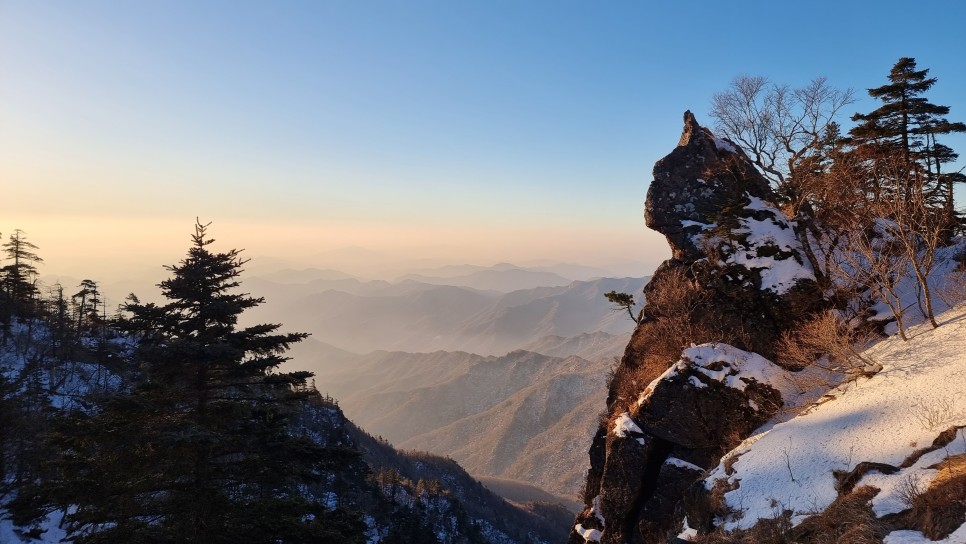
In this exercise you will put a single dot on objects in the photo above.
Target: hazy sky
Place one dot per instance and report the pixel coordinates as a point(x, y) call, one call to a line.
point(485, 130)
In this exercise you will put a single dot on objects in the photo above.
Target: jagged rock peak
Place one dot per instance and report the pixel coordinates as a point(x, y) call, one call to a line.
point(708, 199)
point(736, 283)
point(690, 127)
point(694, 183)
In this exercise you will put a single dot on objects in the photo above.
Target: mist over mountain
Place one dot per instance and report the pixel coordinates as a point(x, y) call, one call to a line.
point(507, 382)
point(364, 316)
point(572, 271)
point(537, 435)
point(305, 275)
point(394, 351)
point(522, 417)
point(593, 345)
point(496, 280)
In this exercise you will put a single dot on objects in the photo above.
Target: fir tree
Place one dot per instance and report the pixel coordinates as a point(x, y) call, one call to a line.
point(86, 302)
point(201, 448)
point(18, 278)
point(906, 125)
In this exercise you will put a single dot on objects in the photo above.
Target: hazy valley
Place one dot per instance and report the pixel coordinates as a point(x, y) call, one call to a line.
point(508, 381)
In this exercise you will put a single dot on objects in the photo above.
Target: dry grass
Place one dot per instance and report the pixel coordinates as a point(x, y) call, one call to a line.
point(826, 342)
point(679, 313)
point(718, 504)
point(848, 520)
point(768, 531)
point(940, 508)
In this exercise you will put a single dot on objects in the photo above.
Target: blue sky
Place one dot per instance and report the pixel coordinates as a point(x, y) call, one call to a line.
point(489, 130)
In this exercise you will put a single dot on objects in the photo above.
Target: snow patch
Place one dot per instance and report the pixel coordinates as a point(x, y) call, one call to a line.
point(595, 510)
point(589, 535)
point(624, 425)
point(681, 463)
point(893, 487)
point(697, 383)
point(777, 275)
point(729, 365)
point(733, 368)
point(687, 533)
point(689, 223)
point(725, 145)
point(915, 537)
point(50, 529)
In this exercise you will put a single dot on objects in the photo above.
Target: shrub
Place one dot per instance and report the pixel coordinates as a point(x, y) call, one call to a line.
point(826, 342)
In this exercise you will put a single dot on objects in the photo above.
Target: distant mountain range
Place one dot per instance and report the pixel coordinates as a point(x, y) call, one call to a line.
point(522, 417)
point(508, 384)
point(364, 316)
point(495, 280)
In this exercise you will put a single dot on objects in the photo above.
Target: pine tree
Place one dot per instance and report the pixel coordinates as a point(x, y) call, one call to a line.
point(906, 125)
point(18, 276)
point(201, 448)
point(86, 302)
point(18, 279)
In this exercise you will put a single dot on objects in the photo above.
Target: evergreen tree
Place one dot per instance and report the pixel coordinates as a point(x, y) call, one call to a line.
point(86, 302)
point(18, 278)
point(906, 126)
point(201, 448)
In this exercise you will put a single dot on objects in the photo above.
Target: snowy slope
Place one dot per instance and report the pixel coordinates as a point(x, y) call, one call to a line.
point(882, 419)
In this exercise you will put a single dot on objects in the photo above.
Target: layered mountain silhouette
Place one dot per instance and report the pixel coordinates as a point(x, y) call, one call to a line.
point(508, 384)
point(412, 316)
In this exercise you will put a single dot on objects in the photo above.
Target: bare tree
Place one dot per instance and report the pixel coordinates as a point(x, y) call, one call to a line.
point(776, 125)
point(873, 261)
point(785, 132)
point(919, 230)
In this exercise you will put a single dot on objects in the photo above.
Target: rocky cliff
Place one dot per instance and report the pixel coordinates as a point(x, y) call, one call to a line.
point(696, 378)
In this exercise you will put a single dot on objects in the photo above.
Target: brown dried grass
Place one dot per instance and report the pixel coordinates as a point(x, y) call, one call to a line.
point(939, 509)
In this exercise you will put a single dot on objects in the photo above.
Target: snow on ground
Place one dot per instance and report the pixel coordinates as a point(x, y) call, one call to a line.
point(915, 537)
point(918, 394)
point(52, 532)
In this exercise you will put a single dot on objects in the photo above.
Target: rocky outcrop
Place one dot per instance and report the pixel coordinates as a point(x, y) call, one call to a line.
point(736, 281)
point(694, 184)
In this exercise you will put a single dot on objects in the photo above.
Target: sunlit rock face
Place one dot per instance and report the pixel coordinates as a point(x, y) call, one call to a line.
point(696, 377)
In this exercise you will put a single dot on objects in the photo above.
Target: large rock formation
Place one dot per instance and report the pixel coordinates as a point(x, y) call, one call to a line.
point(694, 184)
point(736, 281)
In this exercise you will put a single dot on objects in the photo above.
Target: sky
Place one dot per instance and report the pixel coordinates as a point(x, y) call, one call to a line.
point(460, 131)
